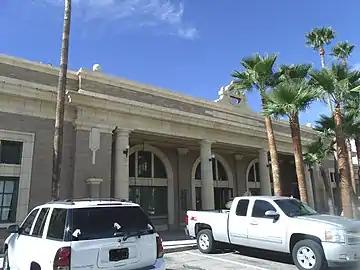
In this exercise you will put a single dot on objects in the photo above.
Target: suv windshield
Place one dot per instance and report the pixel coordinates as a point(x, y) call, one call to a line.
point(294, 208)
point(106, 222)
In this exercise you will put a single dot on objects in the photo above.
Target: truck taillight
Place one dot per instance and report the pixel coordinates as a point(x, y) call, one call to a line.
point(62, 259)
point(186, 219)
point(159, 247)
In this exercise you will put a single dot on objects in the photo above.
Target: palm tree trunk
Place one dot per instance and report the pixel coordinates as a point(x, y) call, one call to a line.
point(278, 190)
point(322, 57)
point(299, 159)
point(343, 160)
point(60, 103)
point(328, 189)
point(357, 145)
point(352, 171)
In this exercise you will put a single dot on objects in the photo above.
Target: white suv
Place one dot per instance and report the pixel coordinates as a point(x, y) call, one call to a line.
point(84, 234)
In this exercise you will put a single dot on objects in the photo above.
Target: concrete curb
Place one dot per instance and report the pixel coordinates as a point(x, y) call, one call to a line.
point(172, 249)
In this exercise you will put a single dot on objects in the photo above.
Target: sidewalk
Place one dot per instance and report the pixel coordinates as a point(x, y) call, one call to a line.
point(175, 241)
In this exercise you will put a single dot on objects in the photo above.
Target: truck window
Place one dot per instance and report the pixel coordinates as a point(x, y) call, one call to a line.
point(57, 224)
point(27, 224)
point(260, 207)
point(40, 222)
point(242, 208)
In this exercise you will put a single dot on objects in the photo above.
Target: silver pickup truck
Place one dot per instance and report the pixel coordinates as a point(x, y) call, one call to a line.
point(279, 224)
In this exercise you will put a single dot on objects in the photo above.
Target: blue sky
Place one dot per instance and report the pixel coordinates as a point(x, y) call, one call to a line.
point(188, 46)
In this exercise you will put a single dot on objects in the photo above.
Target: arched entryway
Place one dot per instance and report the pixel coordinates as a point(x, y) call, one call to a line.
point(223, 182)
point(253, 178)
point(151, 183)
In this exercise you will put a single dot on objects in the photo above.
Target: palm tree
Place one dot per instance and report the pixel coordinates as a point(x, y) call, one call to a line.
point(317, 39)
point(342, 51)
point(293, 94)
point(60, 103)
point(258, 73)
point(317, 152)
point(336, 82)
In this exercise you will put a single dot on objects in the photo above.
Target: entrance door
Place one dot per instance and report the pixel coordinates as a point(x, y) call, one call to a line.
point(198, 198)
point(222, 196)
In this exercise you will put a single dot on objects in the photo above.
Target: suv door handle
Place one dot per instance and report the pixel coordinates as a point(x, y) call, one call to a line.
point(253, 223)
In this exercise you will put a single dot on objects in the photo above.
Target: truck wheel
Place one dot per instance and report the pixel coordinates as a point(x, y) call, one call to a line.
point(205, 241)
point(309, 255)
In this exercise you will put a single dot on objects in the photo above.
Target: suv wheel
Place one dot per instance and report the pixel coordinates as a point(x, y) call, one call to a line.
point(6, 261)
point(205, 241)
point(308, 255)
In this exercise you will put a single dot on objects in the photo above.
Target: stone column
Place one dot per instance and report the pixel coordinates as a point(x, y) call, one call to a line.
point(122, 164)
point(240, 180)
point(320, 198)
point(94, 187)
point(265, 185)
point(309, 187)
point(207, 183)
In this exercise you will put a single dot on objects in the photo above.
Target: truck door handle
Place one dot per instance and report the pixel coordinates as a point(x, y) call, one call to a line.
point(253, 223)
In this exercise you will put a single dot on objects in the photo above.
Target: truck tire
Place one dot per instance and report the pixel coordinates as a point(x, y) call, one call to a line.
point(309, 255)
point(205, 241)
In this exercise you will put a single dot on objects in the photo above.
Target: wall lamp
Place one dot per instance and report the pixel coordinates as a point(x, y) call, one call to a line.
point(211, 157)
point(126, 151)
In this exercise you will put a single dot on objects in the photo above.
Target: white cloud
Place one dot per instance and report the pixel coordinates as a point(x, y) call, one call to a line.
point(138, 13)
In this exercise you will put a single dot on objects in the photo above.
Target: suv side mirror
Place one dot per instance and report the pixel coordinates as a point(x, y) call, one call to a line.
point(272, 214)
point(13, 229)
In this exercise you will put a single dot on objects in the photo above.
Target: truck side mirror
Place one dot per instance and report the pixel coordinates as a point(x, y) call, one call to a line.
point(272, 214)
point(13, 229)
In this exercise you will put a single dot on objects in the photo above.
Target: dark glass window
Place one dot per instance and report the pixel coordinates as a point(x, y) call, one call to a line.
point(255, 191)
point(251, 176)
point(214, 168)
point(242, 208)
point(221, 197)
point(11, 152)
point(222, 176)
point(96, 223)
point(198, 172)
point(40, 222)
point(57, 224)
point(294, 207)
point(159, 168)
point(198, 198)
point(144, 164)
point(257, 170)
point(28, 222)
point(8, 198)
point(152, 199)
point(260, 207)
point(132, 165)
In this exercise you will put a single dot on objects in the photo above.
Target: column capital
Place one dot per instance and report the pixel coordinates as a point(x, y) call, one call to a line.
point(206, 142)
point(263, 150)
point(94, 181)
point(121, 132)
point(183, 151)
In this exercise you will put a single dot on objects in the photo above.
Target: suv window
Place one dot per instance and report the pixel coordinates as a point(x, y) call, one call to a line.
point(40, 222)
point(107, 222)
point(260, 207)
point(242, 208)
point(57, 224)
point(28, 222)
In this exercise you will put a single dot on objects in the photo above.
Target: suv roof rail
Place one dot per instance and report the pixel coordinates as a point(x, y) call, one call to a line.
point(72, 201)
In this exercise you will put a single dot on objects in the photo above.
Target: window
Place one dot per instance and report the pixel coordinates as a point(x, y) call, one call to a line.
point(253, 178)
point(260, 207)
point(145, 164)
point(294, 207)
point(40, 222)
point(152, 199)
point(10, 152)
point(8, 198)
point(219, 172)
point(28, 222)
point(95, 223)
point(57, 224)
point(242, 208)
point(198, 198)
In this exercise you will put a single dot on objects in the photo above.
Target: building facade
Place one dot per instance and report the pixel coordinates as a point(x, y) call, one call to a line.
point(167, 151)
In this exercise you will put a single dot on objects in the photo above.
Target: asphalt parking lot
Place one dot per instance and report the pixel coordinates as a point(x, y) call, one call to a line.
point(240, 259)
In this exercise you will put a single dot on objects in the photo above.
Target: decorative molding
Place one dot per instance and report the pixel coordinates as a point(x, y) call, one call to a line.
point(94, 181)
point(88, 125)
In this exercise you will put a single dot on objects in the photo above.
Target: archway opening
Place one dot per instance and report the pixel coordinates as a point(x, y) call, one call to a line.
point(149, 183)
point(223, 192)
point(253, 178)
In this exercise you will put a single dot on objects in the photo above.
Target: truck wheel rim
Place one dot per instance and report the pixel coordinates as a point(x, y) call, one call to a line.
point(306, 257)
point(204, 242)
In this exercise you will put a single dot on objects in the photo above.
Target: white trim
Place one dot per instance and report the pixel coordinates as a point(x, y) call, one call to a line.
point(152, 181)
point(255, 184)
point(28, 140)
point(217, 184)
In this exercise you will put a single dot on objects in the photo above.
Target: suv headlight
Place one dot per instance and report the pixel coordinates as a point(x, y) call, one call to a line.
point(335, 236)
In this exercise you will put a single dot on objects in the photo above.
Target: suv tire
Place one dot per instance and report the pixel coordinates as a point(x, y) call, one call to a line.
point(5, 265)
point(308, 255)
point(205, 241)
